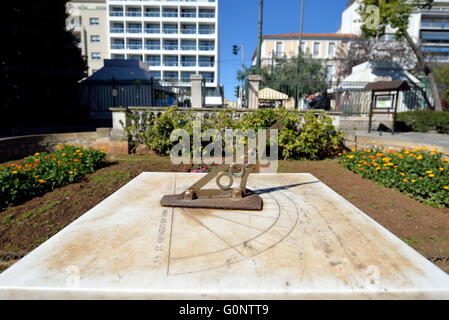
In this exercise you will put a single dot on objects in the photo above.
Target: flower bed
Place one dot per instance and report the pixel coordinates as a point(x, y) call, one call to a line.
point(43, 172)
point(421, 173)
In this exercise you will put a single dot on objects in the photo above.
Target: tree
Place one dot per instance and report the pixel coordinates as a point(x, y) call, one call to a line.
point(295, 77)
point(370, 49)
point(40, 65)
point(377, 16)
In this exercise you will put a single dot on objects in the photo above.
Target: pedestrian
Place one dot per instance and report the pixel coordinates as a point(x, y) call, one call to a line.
point(321, 101)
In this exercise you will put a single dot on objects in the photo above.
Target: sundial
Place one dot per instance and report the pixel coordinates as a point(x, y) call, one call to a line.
point(307, 242)
point(224, 196)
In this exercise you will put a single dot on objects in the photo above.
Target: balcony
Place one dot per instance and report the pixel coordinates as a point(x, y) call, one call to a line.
point(170, 31)
point(206, 31)
point(209, 80)
point(153, 47)
point(153, 63)
point(188, 31)
point(151, 30)
point(206, 64)
point(206, 48)
point(435, 24)
point(188, 64)
point(117, 30)
point(170, 47)
point(116, 13)
point(117, 46)
point(133, 14)
point(169, 15)
point(152, 14)
point(134, 47)
point(170, 78)
point(206, 15)
point(188, 15)
point(188, 48)
point(134, 30)
point(171, 64)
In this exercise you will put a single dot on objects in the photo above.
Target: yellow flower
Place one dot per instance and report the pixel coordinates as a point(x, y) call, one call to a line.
point(14, 172)
point(431, 176)
point(419, 157)
point(36, 177)
point(425, 148)
point(441, 169)
point(413, 181)
point(70, 172)
point(78, 151)
point(36, 154)
point(405, 180)
point(429, 172)
point(446, 188)
point(63, 155)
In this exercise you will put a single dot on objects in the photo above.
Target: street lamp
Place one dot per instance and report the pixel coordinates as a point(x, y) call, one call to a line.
point(235, 51)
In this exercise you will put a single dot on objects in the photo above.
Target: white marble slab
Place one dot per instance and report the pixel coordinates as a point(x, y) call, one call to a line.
point(307, 243)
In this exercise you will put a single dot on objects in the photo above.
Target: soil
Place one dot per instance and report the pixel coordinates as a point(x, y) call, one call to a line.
point(26, 226)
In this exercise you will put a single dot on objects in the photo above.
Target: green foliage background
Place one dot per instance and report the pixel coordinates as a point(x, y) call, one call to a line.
point(303, 136)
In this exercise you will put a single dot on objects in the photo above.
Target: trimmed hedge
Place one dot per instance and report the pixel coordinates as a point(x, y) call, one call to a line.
point(423, 121)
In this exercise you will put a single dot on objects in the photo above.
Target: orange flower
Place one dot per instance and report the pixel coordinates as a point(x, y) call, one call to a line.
point(14, 172)
point(70, 172)
point(36, 161)
point(41, 181)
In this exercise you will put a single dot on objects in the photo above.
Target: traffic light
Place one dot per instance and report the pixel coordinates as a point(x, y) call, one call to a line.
point(235, 49)
point(237, 91)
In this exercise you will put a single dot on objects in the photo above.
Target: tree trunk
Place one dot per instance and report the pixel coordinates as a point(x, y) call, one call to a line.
point(428, 72)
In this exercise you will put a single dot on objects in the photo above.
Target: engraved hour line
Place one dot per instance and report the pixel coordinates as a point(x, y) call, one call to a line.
point(265, 231)
point(210, 230)
point(286, 236)
point(230, 220)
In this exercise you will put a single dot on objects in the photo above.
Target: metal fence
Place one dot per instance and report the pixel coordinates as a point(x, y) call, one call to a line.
point(352, 99)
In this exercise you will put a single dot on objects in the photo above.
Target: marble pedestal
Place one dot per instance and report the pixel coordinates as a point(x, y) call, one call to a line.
point(307, 243)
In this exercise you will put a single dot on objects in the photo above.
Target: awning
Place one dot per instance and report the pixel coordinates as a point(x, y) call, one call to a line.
point(270, 94)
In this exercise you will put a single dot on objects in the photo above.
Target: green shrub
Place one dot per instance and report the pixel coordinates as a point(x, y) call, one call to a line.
point(43, 172)
point(423, 175)
point(307, 136)
point(423, 121)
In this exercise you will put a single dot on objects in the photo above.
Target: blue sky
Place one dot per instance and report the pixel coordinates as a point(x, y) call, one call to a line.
point(238, 25)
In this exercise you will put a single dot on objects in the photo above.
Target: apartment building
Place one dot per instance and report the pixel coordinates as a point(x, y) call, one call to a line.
point(428, 28)
point(175, 38)
point(88, 20)
point(321, 46)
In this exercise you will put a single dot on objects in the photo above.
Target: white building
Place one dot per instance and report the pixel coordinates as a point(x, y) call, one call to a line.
point(175, 38)
point(320, 46)
point(428, 28)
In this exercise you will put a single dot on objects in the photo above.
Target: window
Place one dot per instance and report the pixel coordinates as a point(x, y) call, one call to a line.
point(279, 49)
point(303, 47)
point(316, 49)
point(94, 38)
point(96, 56)
point(94, 21)
point(332, 50)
